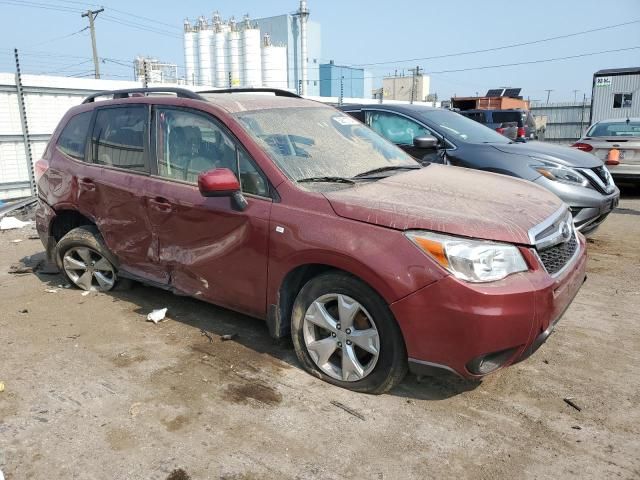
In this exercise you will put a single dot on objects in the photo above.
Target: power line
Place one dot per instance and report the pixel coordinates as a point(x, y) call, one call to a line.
point(486, 67)
point(57, 38)
point(503, 47)
point(128, 14)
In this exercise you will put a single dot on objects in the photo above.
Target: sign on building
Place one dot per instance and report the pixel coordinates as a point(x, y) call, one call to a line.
point(603, 81)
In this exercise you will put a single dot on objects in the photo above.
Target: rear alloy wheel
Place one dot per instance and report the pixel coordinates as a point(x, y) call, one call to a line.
point(85, 261)
point(344, 333)
point(88, 270)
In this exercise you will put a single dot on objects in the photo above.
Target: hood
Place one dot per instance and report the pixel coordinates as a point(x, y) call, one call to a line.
point(450, 200)
point(568, 156)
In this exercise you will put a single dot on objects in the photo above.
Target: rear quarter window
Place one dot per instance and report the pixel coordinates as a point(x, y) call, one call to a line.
point(73, 139)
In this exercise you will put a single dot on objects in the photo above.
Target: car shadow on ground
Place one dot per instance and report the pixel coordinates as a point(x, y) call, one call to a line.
point(213, 322)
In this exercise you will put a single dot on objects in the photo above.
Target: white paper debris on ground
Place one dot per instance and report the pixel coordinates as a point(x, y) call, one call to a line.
point(1, 475)
point(84, 294)
point(8, 223)
point(157, 315)
point(17, 240)
point(51, 290)
point(1, 386)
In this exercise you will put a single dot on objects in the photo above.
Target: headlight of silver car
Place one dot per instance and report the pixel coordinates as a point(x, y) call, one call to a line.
point(470, 260)
point(559, 173)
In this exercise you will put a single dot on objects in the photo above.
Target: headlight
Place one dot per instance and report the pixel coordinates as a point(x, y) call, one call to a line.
point(470, 260)
point(558, 173)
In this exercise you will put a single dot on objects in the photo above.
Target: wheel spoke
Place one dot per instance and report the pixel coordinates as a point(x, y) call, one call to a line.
point(347, 309)
point(103, 265)
point(367, 340)
point(85, 255)
point(104, 281)
point(71, 263)
point(321, 350)
point(319, 316)
point(351, 367)
point(85, 281)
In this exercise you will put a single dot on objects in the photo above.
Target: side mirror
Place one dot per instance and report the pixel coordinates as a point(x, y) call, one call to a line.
point(219, 182)
point(425, 142)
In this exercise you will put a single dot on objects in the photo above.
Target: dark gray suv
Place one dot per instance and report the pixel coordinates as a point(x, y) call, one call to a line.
point(436, 135)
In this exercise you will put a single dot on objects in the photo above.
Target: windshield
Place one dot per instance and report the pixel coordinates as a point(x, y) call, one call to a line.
point(457, 127)
point(615, 129)
point(314, 142)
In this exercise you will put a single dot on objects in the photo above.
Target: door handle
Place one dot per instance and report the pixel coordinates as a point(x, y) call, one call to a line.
point(161, 204)
point(87, 184)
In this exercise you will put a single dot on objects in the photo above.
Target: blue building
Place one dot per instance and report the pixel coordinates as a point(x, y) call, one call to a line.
point(285, 30)
point(353, 81)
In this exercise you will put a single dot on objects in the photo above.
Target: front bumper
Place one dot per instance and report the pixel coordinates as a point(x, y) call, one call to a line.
point(450, 324)
point(588, 206)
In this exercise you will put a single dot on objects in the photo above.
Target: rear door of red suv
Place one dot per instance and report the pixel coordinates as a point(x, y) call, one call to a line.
point(113, 188)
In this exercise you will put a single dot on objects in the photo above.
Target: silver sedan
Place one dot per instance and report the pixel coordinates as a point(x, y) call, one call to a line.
point(617, 143)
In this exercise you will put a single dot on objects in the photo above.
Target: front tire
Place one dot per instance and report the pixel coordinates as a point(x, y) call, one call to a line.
point(344, 333)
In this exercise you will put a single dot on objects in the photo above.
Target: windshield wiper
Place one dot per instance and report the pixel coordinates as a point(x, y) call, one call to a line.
point(388, 168)
point(326, 179)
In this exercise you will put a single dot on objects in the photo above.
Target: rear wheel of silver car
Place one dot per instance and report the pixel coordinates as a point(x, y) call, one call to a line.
point(344, 333)
point(85, 261)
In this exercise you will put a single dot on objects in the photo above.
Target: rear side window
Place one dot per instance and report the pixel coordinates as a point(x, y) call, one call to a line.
point(503, 117)
point(73, 138)
point(118, 138)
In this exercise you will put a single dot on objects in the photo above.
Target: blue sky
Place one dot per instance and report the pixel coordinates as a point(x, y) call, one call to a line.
point(354, 32)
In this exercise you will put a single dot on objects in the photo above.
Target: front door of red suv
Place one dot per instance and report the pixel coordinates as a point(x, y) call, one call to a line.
point(209, 248)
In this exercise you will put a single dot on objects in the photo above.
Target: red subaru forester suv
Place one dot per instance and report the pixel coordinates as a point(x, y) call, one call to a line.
point(291, 211)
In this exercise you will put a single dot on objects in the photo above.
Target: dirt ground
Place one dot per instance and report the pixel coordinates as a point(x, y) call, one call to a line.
point(94, 391)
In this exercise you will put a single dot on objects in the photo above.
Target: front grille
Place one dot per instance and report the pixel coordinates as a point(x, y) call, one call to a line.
point(602, 175)
point(556, 257)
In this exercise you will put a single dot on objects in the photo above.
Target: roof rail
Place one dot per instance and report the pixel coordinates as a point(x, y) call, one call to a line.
point(126, 93)
point(279, 92)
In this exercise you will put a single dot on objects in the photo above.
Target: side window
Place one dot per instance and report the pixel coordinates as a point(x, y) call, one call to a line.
point(118, 137)
point(395, 128)
point(73, 138)
point(188, 144)
point(622, 100)
point(251, 180)
point(357, 114)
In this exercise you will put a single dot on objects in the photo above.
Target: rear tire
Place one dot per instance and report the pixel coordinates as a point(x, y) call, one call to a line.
point(85, 261)
point(344, 333)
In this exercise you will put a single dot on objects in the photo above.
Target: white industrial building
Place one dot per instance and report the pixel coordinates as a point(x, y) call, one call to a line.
point(615, 94)
point(407, 88)
point(280, 52)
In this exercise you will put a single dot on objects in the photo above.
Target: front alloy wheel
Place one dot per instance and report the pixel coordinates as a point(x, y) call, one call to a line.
point(341, 337)
point(344, 333)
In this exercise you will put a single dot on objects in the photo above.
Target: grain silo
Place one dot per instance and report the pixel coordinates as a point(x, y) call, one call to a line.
point(236, 71)
point(191, 59)
point(274, 64)
point(251, 55)
point(219, 52)
point(205, 36)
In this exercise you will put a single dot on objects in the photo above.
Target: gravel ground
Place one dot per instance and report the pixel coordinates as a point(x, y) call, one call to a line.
point(94, 391)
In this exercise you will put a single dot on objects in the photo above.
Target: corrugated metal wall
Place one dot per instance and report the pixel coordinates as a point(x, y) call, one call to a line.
point(565, 122)
point(603, 97)
point(47, 99)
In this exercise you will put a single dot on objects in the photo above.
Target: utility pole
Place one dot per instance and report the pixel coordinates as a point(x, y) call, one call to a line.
point(575, 95)
point(414, 80)
point(548, 94)
point(91, 15)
